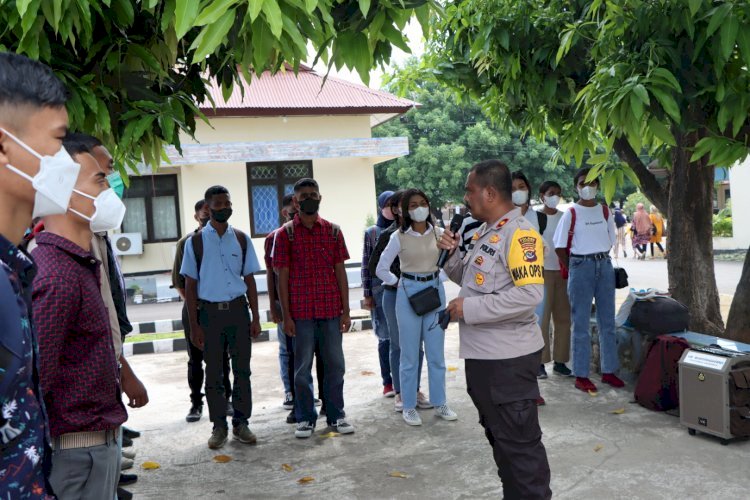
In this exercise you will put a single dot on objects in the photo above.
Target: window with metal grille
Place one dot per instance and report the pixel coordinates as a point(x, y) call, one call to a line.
point(153, 208)
point(267, 184)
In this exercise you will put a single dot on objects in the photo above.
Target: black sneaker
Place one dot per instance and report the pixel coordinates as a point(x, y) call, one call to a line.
point(230, 409)
point(127, 432)
point(127, 479)
point(123, 494)
point(542, 374)
point(126, 442)
point(561, 369)
point(195, 413)
point(291, 418)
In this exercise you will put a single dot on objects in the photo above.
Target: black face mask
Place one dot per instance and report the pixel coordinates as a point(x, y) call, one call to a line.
point(203, 222)
point(221, 216)
point(309, 206)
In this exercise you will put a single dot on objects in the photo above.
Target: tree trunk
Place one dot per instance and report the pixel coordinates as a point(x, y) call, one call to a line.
point(738, 323)
point(692, 280)
point(689, 196)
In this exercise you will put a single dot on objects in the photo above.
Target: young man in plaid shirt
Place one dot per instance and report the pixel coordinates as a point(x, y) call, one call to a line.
point(309, 255)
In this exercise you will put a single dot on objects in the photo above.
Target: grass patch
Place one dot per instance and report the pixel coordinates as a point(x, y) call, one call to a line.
point(143, 337)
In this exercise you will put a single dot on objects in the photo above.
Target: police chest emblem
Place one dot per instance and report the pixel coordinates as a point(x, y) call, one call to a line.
point(528, 244)
point(494, 238)
point(488, 250)
point(479, 279)
point(479, 260)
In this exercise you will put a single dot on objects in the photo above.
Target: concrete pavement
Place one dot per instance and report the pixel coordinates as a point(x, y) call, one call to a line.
point(593, 453)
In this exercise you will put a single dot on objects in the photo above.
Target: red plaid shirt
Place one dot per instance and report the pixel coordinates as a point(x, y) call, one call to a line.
point(313, 290)
point(77, 367)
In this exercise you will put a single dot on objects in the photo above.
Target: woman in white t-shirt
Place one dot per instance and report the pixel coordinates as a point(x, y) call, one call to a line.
point(556, 304)
point(585, 252)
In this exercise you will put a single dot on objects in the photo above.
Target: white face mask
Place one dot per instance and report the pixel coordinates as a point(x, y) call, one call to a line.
point(53, 183)
point(520, 197)
point(587, 193)
point(419, 214)
point(109, 211)
point(552, 201)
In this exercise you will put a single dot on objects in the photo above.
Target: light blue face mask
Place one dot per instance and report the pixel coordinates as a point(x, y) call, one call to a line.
point(115, 182)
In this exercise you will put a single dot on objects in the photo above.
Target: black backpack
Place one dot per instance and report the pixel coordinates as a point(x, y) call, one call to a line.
point(542, 218)
point(197, 240)
point(659, 316)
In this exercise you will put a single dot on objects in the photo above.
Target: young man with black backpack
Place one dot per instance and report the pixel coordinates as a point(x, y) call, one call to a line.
point(218, 266)
point(583, 240)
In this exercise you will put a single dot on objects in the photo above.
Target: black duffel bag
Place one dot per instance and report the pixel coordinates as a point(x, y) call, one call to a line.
point(659, 316)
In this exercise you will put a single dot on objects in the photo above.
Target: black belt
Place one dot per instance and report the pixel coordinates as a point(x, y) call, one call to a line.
point(224, 306)
point(390, 287)
point(592, 256)
point(413, 277)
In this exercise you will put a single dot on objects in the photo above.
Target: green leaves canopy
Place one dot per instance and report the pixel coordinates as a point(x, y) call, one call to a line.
point(622, 74)
point(137, 69)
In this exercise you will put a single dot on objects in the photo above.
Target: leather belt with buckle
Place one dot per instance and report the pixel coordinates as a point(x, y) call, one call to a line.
point(224, 306)
point(428, 277)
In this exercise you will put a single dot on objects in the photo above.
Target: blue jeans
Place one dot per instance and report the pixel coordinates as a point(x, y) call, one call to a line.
point(283, 359)
point(413, 330)
point(540, 309)
point(329, 338)
point(589, 280)
point(389, 307)
point(380, 327)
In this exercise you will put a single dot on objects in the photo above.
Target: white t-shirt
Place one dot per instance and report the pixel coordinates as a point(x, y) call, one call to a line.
point(591, 234)
point(551, 263)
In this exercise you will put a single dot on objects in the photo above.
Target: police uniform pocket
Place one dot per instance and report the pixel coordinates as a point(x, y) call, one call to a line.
point(518, 421)
point(482, 272)
point(576, 262)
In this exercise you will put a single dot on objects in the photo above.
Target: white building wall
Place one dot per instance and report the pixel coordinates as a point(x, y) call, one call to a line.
point(739, 178)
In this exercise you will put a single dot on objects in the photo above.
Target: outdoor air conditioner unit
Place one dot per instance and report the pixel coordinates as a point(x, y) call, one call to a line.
point(128, 244)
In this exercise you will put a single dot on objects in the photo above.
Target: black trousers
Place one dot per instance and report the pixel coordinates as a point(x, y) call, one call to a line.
point(318, 365)
point(227, 330)
point(505, 391)
point(195, 366)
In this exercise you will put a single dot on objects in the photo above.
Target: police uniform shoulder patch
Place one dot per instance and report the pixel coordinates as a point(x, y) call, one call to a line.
point(526, 258)
point(501, 223)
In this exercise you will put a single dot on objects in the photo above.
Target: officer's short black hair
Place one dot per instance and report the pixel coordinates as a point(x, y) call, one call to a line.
point(584, 172)
point(495, 174)
point(547, 185)
point(213, 191)
point(518, 175)
point(199, 205)
point(306, 182)
point(76, 143)
point(24, 82)
point(287, 200)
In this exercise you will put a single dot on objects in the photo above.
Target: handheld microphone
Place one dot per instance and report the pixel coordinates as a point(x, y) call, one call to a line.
point(456, 222)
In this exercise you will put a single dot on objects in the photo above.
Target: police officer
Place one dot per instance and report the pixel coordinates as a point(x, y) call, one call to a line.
point(501, 278)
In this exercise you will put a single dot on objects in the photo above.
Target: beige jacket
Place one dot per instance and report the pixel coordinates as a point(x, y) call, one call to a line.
point(99, 250)
point(502, 282)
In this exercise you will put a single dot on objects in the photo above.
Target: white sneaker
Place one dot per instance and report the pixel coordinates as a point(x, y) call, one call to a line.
point(411, 417)
point(343, 427)
point(126, 463)
point(399, 403)
point(304, 430)
point(445, 413)
point(423, 402)
point(128, 454)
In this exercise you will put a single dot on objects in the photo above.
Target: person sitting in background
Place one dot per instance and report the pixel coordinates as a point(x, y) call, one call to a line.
point(657, 230)
point(641, 231)
point(389, 307)
point(415, 244)
point(556, 304)
point(373, 290)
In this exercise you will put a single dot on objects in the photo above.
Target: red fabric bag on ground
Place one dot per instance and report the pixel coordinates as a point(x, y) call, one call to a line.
point(657, 387)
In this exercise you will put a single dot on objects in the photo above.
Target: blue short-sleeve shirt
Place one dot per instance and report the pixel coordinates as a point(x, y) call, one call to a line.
point(222, 269)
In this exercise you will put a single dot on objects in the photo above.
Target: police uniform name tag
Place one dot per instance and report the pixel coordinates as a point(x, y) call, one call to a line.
point(526, 258)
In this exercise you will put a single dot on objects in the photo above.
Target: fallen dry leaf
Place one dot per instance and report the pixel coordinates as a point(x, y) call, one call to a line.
point(398, 474)
point(222, 459)
point(618, 411)
point(367, 373)
point(452, 368)
point(150, 466)
point(287, 467)
point(593, 393)
point(306, 479)
point(598, 448)
point(330, 435)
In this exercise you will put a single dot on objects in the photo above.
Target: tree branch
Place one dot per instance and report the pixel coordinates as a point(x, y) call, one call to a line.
point(650, 186)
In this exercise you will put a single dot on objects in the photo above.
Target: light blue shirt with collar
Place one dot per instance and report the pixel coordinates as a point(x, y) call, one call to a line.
point(222, 269)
